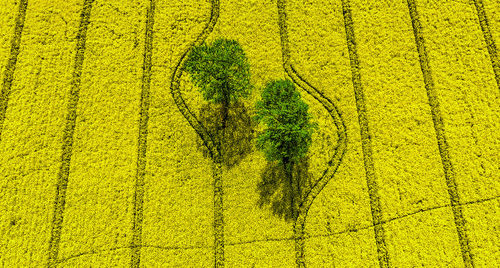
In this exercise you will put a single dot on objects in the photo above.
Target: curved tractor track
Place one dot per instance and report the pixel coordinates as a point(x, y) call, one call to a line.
point(212, 145)
point(340, 148)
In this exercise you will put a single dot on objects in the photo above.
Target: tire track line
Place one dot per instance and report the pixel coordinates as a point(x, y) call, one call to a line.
point(371, 178)
point(278, 239)
point(207, 139)
point(212, 145)
point(490, 44)
point(62, 177)
point(408, 215)
point(340, 148)
point(135, 258)
point(15, 46)
point(437, 119)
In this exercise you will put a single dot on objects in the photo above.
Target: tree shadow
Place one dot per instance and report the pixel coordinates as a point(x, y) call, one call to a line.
point(237, 139)
point(276, 190)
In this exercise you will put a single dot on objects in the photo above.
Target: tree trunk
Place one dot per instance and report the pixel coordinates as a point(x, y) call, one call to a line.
point(225, 106)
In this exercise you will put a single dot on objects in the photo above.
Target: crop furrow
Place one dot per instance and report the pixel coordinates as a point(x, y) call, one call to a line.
point(142, 139)
point(490, 44)
point(339, 149)
point(212, 145)
point(11, 64)
point(350, 230)
point(366, 144)
point(437, 119)
point(356, 229)
point(62, 177)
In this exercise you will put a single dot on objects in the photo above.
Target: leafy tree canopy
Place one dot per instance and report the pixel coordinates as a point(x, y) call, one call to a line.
point(220, 70)
point(289, 131)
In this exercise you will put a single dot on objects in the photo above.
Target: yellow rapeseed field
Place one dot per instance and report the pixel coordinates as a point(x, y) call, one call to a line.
point(107, 158)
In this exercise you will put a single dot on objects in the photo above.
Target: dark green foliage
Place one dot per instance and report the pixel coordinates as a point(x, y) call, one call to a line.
point(288, 134)
point(220, 70)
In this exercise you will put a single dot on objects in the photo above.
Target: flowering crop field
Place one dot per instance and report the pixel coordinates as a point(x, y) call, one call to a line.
point(107, 159)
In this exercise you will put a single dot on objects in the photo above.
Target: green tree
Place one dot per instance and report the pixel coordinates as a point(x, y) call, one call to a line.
point(288, 135)
point(221, 72)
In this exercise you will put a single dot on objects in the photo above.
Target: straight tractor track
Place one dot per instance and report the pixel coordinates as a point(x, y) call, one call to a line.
point(490, 44)
point(366, 144)
point(142, 139)
point(340, 148)
point(265, 240)
point(437, 119)
point(212, 145)
point(15, 46)
point(62, 177)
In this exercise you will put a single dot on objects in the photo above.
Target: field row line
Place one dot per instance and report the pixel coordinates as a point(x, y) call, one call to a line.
point(11, 64)
point(347, 230)
point(340, 147)
point(142, 138)
point(366, 144)
point(67, 146)
point(213, 146)
point(206, 137)
point(490, 44)
point(439, 128)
